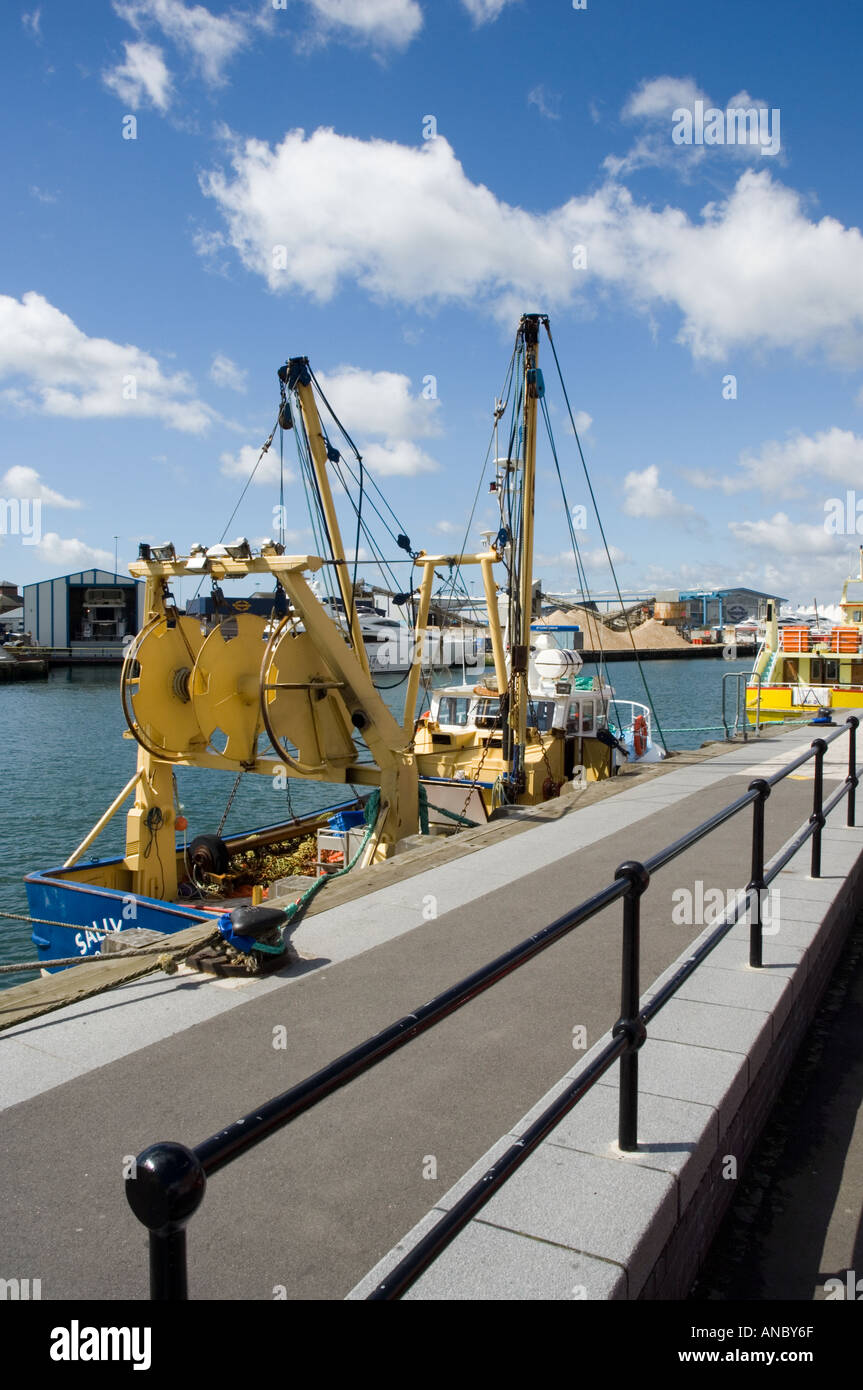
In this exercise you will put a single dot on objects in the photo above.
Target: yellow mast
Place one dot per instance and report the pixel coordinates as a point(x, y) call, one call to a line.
point(520, 640)
point(299, 378)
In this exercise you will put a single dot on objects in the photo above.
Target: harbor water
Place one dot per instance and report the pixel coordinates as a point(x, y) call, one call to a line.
point(64, 759)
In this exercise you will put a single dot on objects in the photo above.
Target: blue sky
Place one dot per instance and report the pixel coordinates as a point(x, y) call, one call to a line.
point(407, 257)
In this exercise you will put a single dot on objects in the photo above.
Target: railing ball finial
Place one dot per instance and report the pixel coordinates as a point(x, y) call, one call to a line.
point(635, 872)
point(167, 1187)
point(761, 786)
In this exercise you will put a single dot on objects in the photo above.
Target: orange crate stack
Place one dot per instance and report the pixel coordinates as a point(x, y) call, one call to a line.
point(795, 639)
point(844, 639)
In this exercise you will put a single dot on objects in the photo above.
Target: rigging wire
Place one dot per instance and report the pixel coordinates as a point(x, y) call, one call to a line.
point(582, 576)
point(604, 541)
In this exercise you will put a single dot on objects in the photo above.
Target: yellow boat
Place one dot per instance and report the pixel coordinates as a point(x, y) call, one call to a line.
point(800, 675)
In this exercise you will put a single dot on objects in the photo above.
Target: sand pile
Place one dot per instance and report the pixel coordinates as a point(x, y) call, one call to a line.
point(649, 636)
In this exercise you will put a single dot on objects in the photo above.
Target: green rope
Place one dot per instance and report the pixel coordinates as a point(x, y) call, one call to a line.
point(426, 806)
point(452, 815)
point(370, 811)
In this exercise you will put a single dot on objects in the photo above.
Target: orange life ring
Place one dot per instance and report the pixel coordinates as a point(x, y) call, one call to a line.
point(639, 735)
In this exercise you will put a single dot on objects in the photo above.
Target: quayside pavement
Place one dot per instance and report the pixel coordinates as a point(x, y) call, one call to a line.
point(314, 1208)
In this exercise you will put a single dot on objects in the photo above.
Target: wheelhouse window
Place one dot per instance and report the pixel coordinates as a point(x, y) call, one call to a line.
point(453, 711)
point(487, 714)
point(587, 716)
point(541, 715)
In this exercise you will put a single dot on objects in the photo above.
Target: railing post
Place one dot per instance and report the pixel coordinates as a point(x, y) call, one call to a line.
point(630, 1022)
point(166, 1188)
point(756, 881)
point(817, 817)
point(852, 779)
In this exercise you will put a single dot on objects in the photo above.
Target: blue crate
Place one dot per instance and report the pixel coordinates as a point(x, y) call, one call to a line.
point(343, 821)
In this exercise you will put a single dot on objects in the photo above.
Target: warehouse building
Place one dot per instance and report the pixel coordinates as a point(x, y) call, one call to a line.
point(718, 607)
point(84, 611)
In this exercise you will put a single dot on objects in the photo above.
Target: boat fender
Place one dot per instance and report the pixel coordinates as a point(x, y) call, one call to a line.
point(639, 735)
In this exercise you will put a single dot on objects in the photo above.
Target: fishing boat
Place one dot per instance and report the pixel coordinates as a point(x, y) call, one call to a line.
point(279, 685)
point(803, 673)
point(18, 663)
point(392, 647)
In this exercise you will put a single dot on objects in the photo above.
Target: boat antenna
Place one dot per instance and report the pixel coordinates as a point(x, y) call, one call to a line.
point(602, 534)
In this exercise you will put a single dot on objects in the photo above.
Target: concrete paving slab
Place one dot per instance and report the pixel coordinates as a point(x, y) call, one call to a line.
point(615, 1211)
point(674, 1136)
point(716, 1027)
point(493, 1264)
point(488, 1263)
point(743, 989)
point(780, 959)
point(705, 1075)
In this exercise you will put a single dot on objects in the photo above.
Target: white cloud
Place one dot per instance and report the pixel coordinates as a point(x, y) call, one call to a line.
point(384, 418)
point(780, 468)
point(484, 11)
point(379, 403)
point(391, 23)
point(797, 577)
point(20, 481)
point(546, 103)
point(240, 465)
point(753, 271)
point(786, 537)
point(654, 105)
point(644, 497)
point(583, 421)
point(398, 457)
point(224, 372)
point(143, 77)
point(448, 528)
point(59, 370)
point(32, 21)
point(72, 554)
point(659, 96)
point(419, 230)
point(211, 39)
point(42, 195)
point(591, 559)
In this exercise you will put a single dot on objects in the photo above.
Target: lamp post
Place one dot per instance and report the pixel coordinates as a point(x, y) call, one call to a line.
point(116, 538)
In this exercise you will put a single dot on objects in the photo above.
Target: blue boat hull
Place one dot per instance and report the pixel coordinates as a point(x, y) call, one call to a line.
point(71, 916)
point(80, 913)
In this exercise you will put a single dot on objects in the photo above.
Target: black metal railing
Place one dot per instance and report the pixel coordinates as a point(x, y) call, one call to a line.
point(170, 1179)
